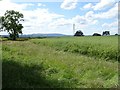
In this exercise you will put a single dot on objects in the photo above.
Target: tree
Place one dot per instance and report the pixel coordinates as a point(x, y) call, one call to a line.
point(96, 34)
point(10, 22)
point(79, 33)
point(105, 33)
point(116, 34)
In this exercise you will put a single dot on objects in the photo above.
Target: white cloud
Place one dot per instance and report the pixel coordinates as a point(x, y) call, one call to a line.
point(110, 25)
point(61, 25)
point(69, 4)
point(39, 20)
point(40, 4)
point(90, 18)
point(87, 19)
point(83, 22)
point(95, 21)
point(113, 12)
point(60, 22)
point(36, 21)
point(79, 19)
point(89, 15)
point(43, 15)
point(103, 4)
point(7, 5)
point(88, 6)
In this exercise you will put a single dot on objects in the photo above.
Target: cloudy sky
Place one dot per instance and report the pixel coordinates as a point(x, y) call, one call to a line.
point(58, 16)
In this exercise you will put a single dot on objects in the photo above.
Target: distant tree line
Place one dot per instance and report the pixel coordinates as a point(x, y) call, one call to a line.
point(105, 33)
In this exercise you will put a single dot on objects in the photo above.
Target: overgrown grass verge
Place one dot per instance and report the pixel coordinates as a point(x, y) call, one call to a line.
point(102, 47)
point(29, 65)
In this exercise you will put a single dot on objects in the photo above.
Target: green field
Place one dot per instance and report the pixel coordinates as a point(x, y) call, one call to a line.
point(64, 62)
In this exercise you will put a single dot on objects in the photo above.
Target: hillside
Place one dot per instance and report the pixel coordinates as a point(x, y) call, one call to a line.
point(38, 35)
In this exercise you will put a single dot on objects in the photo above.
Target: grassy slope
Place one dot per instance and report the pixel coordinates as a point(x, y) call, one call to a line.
point(26, 64)
point(103, 47)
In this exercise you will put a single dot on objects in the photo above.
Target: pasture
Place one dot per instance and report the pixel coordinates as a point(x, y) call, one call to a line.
point(63, 62)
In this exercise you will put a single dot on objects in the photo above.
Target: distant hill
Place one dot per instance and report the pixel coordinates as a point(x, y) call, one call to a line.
point(38, 35)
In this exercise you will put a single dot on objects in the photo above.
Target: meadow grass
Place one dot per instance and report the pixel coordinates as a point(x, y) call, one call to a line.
point(38, 63)
point(103, 47)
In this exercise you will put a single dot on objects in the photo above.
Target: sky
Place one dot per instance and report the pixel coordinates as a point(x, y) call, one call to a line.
point(58, 16)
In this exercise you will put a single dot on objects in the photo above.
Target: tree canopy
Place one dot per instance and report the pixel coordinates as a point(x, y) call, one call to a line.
point(105, 33)
point(79, 33)
point(10, 22)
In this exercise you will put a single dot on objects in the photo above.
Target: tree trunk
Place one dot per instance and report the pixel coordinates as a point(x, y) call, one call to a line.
point(14, 35)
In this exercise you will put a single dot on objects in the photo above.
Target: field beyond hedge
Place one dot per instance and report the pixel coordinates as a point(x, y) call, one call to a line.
point(65, 62)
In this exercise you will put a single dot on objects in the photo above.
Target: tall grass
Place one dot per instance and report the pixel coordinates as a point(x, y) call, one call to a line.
point(103, 47)
point(29, 65)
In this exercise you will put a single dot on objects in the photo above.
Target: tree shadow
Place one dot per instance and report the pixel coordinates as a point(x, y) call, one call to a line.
point(16, 75)
point(17, 39)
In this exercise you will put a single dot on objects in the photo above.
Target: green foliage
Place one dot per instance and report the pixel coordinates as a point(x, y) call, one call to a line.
point(11, 23)
point(79, 33)
point(41, 65)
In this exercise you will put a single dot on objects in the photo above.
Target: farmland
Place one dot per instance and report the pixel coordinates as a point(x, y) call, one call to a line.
point(63, 62)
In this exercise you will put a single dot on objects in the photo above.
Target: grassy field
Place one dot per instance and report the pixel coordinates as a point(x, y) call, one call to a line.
point(102, 47)
point(66, 62)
